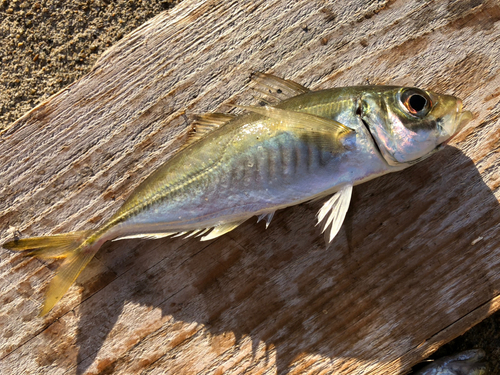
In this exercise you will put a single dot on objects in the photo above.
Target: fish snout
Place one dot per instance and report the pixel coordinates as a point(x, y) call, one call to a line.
point(457, 123)
point(464, 119)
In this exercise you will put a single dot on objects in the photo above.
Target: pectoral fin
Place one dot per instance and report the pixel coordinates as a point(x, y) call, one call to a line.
point(299, 119)
point(322, 127)
point(332, 214)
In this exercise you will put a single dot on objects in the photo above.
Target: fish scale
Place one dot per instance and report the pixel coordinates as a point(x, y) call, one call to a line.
point(312, 145)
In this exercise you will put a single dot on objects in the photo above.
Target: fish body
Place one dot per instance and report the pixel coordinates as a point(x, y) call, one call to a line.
point(308, 146)
point(469, 362)
point(255, 165)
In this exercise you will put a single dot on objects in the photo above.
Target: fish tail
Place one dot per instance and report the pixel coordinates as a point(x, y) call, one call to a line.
point(76, 248)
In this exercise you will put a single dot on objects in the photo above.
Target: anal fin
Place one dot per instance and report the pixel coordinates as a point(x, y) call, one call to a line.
point(220, 230)
point(212, 232)
point(150, 236)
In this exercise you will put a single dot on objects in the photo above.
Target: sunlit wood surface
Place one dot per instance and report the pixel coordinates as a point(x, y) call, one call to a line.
point(416, 263)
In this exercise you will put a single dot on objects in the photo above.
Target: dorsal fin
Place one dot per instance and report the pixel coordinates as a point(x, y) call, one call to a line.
point(212, 120)
point(204, 124)
point(299, 119)
point(274, 89)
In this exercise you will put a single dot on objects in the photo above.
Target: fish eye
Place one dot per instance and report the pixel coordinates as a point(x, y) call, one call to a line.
point(416, 102)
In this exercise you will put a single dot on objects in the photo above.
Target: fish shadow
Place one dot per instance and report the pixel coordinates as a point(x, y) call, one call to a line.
point(390, 277)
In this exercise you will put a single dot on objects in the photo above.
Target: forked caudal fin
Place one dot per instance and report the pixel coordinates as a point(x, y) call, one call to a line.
point(73, 247)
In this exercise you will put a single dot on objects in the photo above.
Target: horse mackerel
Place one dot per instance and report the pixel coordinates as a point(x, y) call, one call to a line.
point(312, 144)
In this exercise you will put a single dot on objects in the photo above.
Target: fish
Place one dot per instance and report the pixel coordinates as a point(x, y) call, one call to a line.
point(295, 146)
point(469, 362)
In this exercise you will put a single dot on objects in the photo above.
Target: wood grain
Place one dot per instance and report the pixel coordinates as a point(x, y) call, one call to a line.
point(415, 265)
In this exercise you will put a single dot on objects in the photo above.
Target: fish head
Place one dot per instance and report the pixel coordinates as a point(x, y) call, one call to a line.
point(409, 124)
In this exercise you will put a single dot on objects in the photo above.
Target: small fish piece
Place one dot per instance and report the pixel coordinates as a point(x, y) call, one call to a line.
point(267, 217)
point(310, 145)
point(469, 362)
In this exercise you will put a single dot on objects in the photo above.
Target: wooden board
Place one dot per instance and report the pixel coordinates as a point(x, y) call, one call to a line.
point(415, 265)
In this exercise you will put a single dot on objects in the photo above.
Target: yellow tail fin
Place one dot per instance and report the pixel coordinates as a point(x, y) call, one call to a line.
point(48, 247)
point(70, 246)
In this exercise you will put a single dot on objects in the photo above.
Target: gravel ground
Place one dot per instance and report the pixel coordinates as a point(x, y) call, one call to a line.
point(47, 44)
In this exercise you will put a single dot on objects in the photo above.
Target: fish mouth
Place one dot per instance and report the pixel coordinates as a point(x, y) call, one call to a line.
point(462, 118)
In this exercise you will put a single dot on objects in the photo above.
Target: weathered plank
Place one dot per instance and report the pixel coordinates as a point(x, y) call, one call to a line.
point(415, 264)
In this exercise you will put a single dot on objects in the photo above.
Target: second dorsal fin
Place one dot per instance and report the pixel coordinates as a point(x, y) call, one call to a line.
point(204, 124)
point(275, 89)
point(212, 120)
